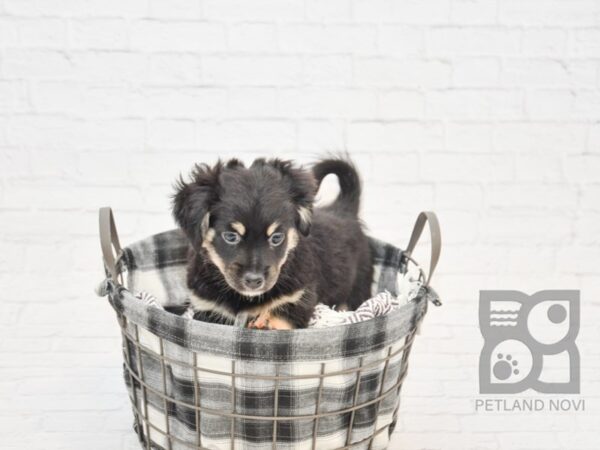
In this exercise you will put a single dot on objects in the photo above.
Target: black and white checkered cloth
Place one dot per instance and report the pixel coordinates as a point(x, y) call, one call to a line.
point(240, 379)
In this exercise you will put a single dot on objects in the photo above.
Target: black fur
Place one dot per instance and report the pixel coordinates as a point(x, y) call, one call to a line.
point(350, 189)
point(331, 261)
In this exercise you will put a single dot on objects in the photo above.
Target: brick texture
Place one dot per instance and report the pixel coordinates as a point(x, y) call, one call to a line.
point(484, 110)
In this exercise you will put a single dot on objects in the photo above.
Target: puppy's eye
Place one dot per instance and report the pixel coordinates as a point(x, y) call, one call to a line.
point(231, 237)
point(276, 239)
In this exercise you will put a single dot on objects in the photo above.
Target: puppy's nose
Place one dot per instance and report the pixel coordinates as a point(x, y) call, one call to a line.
point(253, 280)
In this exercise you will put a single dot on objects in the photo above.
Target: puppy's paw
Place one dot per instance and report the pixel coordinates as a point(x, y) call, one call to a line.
point(278, 323)
point(259, 323)
point(269, 322)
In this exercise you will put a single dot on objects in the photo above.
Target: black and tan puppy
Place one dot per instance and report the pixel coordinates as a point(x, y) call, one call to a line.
point(257, 246)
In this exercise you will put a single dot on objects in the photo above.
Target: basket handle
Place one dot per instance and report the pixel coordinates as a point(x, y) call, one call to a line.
point(109, 239)
point(436, 239)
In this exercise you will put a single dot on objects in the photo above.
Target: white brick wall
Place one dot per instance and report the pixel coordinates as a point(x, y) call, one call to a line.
point(484, 110)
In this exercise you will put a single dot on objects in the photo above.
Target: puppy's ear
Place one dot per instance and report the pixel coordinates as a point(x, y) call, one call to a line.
point(304, 220)
point(303, 188)
point(192, 201)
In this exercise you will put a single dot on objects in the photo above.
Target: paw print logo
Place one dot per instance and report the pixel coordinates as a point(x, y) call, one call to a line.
point(505, 367)
point(528, 340)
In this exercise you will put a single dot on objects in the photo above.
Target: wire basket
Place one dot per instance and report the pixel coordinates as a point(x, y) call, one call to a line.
point(198, 385)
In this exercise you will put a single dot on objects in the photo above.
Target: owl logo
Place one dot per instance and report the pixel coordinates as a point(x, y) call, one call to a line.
point(529, 342)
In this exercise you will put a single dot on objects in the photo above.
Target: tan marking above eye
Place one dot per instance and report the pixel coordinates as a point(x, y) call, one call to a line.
point(239, 227)
point(272, 228)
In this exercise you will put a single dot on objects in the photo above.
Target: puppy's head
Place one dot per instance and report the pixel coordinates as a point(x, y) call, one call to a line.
point(246, 220)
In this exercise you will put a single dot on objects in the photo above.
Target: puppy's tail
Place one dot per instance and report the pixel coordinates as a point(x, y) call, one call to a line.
point(349, 198)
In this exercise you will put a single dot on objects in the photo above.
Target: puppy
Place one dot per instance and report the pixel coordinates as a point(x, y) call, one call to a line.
point(258, 248)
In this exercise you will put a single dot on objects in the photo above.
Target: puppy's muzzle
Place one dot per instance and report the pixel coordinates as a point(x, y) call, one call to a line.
point(253, 280)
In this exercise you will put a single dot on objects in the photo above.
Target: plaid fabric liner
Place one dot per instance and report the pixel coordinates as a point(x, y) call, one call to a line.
point(197, 385)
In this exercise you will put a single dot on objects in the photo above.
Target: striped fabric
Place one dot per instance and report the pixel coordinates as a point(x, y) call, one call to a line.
point(197, 385)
